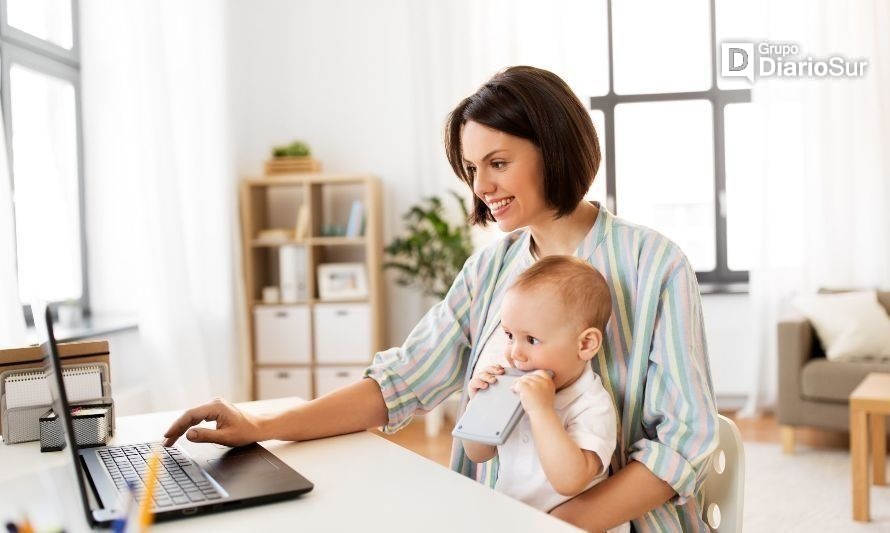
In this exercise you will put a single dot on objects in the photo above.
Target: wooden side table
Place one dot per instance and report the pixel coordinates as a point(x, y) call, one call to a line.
point(869, 408)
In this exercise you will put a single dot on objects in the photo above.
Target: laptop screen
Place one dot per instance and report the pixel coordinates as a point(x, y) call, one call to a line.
point(53, 370)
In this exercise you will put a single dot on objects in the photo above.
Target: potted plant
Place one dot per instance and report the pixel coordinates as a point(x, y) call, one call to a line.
point(433, 251)
point(294, 149)
point(293, 157)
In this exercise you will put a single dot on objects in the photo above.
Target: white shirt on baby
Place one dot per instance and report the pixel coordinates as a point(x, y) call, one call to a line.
point(586, 412)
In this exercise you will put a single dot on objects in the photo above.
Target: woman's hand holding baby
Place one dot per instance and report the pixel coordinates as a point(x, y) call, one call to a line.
point(536, 391)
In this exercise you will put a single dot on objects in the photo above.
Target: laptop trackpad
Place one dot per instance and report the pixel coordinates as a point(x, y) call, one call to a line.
point(251, 464)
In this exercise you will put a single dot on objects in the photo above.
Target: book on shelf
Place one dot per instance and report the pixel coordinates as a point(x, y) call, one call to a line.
point(355, 225)
point(301, 232)
point(292, 273)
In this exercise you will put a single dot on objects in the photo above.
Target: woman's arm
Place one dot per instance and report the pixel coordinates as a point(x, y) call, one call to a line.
point(439, 345)
point(631, 493)
point(356, 407)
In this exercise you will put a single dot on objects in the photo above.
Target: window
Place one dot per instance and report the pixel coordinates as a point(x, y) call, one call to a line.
point(664, 100)
point(40, 93)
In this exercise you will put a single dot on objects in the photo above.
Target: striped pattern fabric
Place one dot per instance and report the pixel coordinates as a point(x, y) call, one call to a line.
point(654, 361)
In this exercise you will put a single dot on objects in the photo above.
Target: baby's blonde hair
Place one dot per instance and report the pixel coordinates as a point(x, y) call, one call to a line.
point(580, 287)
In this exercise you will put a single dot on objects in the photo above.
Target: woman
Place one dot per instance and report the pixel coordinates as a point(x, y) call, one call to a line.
point(526, 146)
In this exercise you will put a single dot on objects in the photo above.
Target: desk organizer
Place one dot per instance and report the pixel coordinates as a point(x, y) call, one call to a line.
point(25, 397)
point(91, 424)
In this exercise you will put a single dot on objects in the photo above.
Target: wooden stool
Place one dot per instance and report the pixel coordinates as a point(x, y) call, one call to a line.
point(869, 407)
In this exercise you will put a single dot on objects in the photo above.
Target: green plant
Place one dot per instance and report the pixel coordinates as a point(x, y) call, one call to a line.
point(294, 149)
point(433, 251)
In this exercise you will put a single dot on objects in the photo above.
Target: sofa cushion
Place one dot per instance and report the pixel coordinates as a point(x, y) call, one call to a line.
point(849, 325)
point(833, 381)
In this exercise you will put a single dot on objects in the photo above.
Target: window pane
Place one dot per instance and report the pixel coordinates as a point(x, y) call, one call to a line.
point(661, 47)
point(744, 171)
point(49, 20)
point(738, 21)
point(44, 150)
point(758, 180)
point(664, 156)
point(568, 37)
point(598, 190)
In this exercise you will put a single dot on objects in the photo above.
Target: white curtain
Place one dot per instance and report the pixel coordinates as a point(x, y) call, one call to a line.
point(162, 217)
point(824, 185)
point(456, 46)
point(12, 321)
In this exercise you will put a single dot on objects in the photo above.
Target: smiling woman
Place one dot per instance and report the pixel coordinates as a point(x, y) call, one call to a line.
point(494, 127)
point(528, 149)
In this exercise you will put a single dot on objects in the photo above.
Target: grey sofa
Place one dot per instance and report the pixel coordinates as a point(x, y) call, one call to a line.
point(814, 391)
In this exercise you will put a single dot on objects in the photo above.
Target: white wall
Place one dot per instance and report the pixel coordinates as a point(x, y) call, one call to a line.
point(301, 70)
point(729, 325)
point(129, 366)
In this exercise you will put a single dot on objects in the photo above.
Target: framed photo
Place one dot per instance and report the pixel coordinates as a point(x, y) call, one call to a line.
point(342, 281)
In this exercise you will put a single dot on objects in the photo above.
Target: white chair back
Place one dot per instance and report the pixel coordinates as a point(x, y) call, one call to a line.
point(724, 487)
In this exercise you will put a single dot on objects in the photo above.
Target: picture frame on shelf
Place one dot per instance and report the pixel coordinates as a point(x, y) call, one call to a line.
point(342, 281)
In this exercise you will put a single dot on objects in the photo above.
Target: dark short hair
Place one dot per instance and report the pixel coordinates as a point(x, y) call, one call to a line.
point(574, 282)
point(536, 105)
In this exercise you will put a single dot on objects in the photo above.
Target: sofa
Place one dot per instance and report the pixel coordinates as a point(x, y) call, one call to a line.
point(813, 391)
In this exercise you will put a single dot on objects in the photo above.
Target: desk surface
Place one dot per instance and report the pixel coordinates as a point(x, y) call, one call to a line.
point(357, 479)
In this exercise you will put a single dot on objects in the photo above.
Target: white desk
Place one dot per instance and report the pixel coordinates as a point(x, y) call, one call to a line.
point(362, 483)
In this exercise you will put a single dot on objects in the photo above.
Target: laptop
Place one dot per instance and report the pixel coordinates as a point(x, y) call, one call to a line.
point(192, 478)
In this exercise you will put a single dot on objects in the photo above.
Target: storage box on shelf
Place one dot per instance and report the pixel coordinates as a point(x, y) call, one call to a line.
point(304, 345)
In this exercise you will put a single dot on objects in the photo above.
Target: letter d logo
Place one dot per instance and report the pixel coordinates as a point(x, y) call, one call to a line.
point(737, 60)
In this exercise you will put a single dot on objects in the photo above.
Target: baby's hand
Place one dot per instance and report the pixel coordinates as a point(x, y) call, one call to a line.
point(536, 391)
point(485, 378)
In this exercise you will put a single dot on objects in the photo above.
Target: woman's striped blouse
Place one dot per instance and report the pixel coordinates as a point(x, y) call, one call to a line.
point(654, 361)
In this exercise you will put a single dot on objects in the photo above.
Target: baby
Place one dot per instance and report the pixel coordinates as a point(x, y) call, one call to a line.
point(553, 317)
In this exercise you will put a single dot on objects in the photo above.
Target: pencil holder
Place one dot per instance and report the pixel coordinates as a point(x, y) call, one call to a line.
point(90, 428)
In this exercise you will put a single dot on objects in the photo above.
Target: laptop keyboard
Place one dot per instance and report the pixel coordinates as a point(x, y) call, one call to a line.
point(179, 479)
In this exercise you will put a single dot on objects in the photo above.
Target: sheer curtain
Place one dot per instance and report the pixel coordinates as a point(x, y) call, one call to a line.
point(161, 190)
point(822, 217)
point(12, 321)
point(457, 45)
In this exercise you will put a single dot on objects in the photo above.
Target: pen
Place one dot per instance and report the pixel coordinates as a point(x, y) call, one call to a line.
point(145, 515)
point(119, 525)
point(26, 526)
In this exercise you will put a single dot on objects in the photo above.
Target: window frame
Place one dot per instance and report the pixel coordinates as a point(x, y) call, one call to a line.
point(721, 279)
point(50, 59)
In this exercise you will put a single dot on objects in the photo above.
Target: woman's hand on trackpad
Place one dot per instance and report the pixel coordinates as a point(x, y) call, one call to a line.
point(233, 426)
